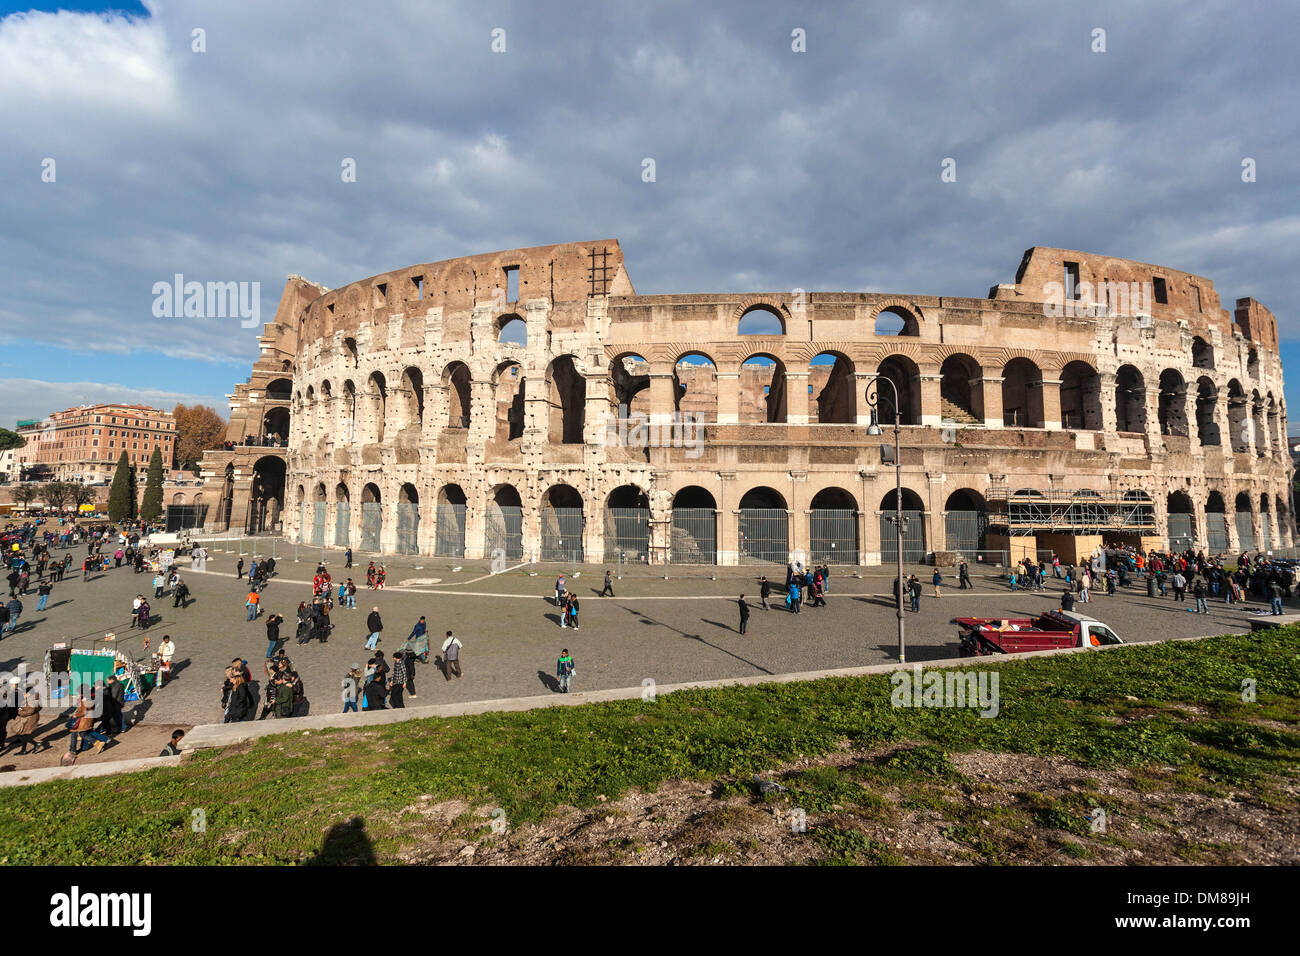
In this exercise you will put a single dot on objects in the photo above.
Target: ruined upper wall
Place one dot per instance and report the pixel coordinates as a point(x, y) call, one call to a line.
point(567, 273)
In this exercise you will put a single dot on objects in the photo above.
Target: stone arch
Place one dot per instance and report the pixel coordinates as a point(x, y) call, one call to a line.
point(761, 319)
point(1207, 406)
point(695, 386)
point(900, 317)
point(1172, 406)
point(410, 407)
point(763, 527)
point(627, 524)
point(456, 379)
point(629, 382)
point(1238, 417)
point(776, 309)
point(563, 519)
point(1022, 394)
point(509, 393)
point(835, 390)
point(1080, 397)
point(833, 527)
point(1202, 353)
point(266, 496)
point(503, 524)
point(566, 389)
point(906, 376)
point(408, 519)
point(694, 530)
point(1130, 400)
point(961, 389)
point(376, 408)
point(763, 395)
point(511, 329)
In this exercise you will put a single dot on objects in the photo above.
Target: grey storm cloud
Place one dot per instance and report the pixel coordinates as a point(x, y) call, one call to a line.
point(774, 169)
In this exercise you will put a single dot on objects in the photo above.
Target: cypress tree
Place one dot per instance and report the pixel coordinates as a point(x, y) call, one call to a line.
point(151, 507)
point(121, 497)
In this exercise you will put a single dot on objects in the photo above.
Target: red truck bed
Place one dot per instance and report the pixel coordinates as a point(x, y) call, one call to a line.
point(990, 635)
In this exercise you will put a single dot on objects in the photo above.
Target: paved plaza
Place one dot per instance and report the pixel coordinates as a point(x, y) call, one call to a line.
point(669, 631)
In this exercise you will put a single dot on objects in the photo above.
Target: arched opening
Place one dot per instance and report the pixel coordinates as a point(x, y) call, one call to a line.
point(1238, 418)
point(376, 408)
point(350, 354)
point(1265, 524)
point(226, 505)
point(762, 390)
point(1202, 353)
point(1258, 428)
point(449, 524)
point(833, 527)
point(914, 549)
point(897, 321)
point(372, 517)
point(764, 528)
point(694, 528)
point(627, 525)
point(512, 330)
point(961, 390)
point(456, 379)
point(1207, 404)
point(1216, 523)
point(1252, 363)
point(503, 526)
point(695, 388)
point(761, 320)
point(508, 388)
point(966, 521)
point(1182, 521)
point(342, 516)
point(408, 520)
point(1130, 400)
point(411, 405)
point(1080, 397)
point(831, 379)
point(279, 390)
point(1172, 407)
point(1022, 394)
point(629, 381)
point(349, 412)
point(1245, 523)
point(906, 377)
point(275, 427)
point(266, 497)
point(567, 398)
point(562, 522)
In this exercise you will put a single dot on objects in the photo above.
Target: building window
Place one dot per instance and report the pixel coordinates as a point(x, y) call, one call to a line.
point(1072, 280)
point(1161, 293)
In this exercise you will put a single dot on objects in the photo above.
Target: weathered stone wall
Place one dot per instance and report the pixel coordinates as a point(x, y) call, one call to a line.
point(403, 394)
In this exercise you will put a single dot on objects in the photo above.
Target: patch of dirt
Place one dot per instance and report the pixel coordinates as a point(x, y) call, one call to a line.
point(139, 740)
point(1004, 808)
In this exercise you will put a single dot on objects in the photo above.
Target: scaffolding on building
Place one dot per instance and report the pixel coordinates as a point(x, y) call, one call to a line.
point(1028, 511)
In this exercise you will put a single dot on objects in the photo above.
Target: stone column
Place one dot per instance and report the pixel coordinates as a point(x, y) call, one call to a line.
point(475, 518)
point(799, 531)
point(796, 397)
point(931, 406)
point(1109, 420)
point(936, 532)
point(728, 397)
point(728, 523)
point(862, 382)
point(1051, 403)
point(993, 402)
point(1151, 400)
point(662, 403)
point(870, 518)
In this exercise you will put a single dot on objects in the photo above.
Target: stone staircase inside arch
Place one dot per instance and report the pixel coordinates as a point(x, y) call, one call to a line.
point(957, 414)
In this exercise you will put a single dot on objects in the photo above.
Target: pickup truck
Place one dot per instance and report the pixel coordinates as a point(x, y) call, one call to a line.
point(990, 635)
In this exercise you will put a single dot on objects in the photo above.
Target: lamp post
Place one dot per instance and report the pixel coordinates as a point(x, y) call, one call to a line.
point(873, 388)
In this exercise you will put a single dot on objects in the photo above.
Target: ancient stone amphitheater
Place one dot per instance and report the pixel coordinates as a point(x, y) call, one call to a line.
point(529, 405)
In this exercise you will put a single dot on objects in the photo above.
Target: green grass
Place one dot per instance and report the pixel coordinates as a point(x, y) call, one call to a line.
point(345, 796)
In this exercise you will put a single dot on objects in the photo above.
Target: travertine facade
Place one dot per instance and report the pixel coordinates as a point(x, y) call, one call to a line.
point(1093, 398)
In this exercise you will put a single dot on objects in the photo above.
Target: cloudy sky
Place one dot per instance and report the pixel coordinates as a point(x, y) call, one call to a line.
point(774, 169)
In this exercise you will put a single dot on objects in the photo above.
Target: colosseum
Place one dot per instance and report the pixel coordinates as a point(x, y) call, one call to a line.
point(529, 405)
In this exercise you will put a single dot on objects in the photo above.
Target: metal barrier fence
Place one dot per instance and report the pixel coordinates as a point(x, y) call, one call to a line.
point(1182, 532)
point(185, 517)
point(1245, 532)
point(561, 534)
point(764, 536)
point(449, 531)
point(965, 530)
point(976, 558)
point(372, 525)
point(694, 536)
point(408, 527)
point(503, 530)
point(833, 536)
point(1265, 535)
point(1216, 531)
point(318, 523)
point(627, 535)
point(342, 521)
point(914, 549)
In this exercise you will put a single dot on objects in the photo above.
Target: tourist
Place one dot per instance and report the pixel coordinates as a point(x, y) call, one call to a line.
point(744, 614)
point(410, 657)
point(166, 651)
point(764, 592)
point(352, 688)
point(374, 624)
point(818, 591)
point(396, 683)
point(240, 705)
point(609, 585)
point(22, 728)
point(348, 556)
point(181, 594)
point(273, 623)
point(82, 726)
point(1275, 590)
point(251, 603)
point(15, 609)
point(1198, 592)
point(1067, 600)
point(376, 693)
point(559, 590)
point(963, 577)
point(380, 577)
point(572, 611)
point(937, 581)
point(565, 668)
point(173, 747)
point(914, 589)
point(239, 568)
point(1180, 586)
point(158, 585)
point(451, 656)
point(43, 589)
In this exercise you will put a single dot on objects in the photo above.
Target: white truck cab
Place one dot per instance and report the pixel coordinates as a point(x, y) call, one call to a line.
point(1092, 632)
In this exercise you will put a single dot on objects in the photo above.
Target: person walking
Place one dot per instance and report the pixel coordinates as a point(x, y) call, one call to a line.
point(1275, 589)
point(420, 630)
point(559, 590)
point(166, 651)
point(937, 581)
point(564, 610)
point(251, 603)
point(22, 728)
point(348, 558)
point(1180, 586)
point(744, 613)
point(764, 592)
point(573, 611)
point(1067, 600)
point(609, 585)
point(239, 569)
point(375, 624)
point(564, 670)
point(15, 609)
point(914, 588)
point(43, 589)
point(451, 656)
point(83, 730)
point(963, 577)
point(1198, 592)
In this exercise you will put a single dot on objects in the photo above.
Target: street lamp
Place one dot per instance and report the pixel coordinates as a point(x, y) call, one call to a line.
point(873, 388)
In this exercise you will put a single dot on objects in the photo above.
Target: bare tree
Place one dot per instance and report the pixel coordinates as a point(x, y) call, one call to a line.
point(55, 495)
point(25, 495)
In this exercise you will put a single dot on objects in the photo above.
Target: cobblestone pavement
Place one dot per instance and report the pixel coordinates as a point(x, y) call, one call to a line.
point(681, 629)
